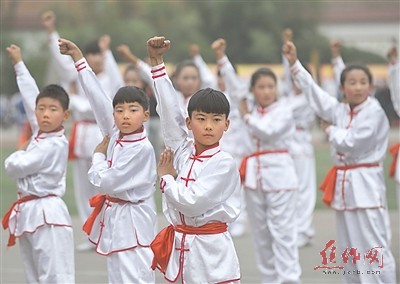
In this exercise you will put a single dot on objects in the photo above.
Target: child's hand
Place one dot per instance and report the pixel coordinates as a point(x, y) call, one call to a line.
point(15, 53)
point(49, 21)
point(104, 43)
point(69, 48)
point(287, 35)
point(335, 48)
point(165, 164)
point(289, 51)
point(324, 125)
point(103, 145)
point(243, 108)
point(392, 55)
point(219, 47)
point(194, 50)
point(124, 50)
point(156, 47)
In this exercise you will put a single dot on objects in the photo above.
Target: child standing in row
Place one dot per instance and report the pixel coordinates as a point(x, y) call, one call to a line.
point(354, 187)
point(123, 171)
point(302, 152)
point(270, 181)
point(40, 218)
point(203, 194)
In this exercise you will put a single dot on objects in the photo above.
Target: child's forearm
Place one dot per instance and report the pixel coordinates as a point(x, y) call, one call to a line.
point(29, 91)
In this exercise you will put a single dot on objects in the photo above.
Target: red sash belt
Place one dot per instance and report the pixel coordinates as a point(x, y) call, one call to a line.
point(394, 150)
point(6, 218)
point(164, 241)
point(243, 165)
point(329, 182)
point(97, 202)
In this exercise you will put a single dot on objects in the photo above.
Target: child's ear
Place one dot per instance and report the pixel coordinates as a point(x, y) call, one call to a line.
point(227, 123)
point(188, 123)
point(146, 116)
point(67, 114)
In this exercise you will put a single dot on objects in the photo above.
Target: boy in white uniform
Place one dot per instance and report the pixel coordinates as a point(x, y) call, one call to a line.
point(355, 186)
point(124, 171)
point(85, 133)
point(40, 218)
point(204, 195)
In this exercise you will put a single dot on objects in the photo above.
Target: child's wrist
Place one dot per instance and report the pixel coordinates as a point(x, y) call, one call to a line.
point(154, 61)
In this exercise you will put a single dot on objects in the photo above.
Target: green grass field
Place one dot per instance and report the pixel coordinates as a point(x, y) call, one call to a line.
point(323, 163)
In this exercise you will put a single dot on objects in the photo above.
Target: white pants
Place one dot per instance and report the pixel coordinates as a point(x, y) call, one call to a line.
point(364, 229)
point(272, 216)
point(307, 195)
point(48, 255)
point(131, 266)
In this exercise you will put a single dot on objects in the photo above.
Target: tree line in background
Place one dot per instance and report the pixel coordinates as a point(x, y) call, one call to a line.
point(252, 30)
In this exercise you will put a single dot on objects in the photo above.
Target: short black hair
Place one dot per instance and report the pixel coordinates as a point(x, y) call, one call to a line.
point(55, 92)
point(130, 94)
point(209, 101)
point(92, 47)
point(263, 71)
point(355, 66)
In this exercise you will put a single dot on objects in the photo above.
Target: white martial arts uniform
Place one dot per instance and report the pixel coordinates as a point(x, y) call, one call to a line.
point(302, 152)
point(85, 134)
point(205, 193)
point(394, 87)
point(124, 226)
point(271, 190)
point(42, 223)
point(359, 140)
point(236, 140)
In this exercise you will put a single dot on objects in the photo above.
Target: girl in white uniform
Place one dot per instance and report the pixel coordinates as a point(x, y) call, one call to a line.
point(270, 181)
point(40, 218)
point(355, 186)
point(204, 195)
point(123, 171)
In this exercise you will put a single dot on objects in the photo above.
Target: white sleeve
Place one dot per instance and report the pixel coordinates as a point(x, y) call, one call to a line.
point(64, 64)
point(145, 72)
point(208, 191)
point(394, 86)
point(113, 73)
point(21, 164)
point(235, 87)
point(114, 179)
point(172, 119)
point(100, 102)
point(208, 79)
point(322, 103)
point(361, 136)
point(287, 78)
point(29, 91)
point(338, 66)
point(272, 127)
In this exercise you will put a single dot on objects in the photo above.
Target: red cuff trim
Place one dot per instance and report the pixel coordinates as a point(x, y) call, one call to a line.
point(80, 66)
point(295, 70)
point(157, 70)
point(160, 75)
point(162, 185)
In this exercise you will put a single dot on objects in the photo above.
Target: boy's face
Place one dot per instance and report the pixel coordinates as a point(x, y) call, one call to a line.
point(207, 128)
point(129, 117)
point(50, 114)
point(356, 87)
